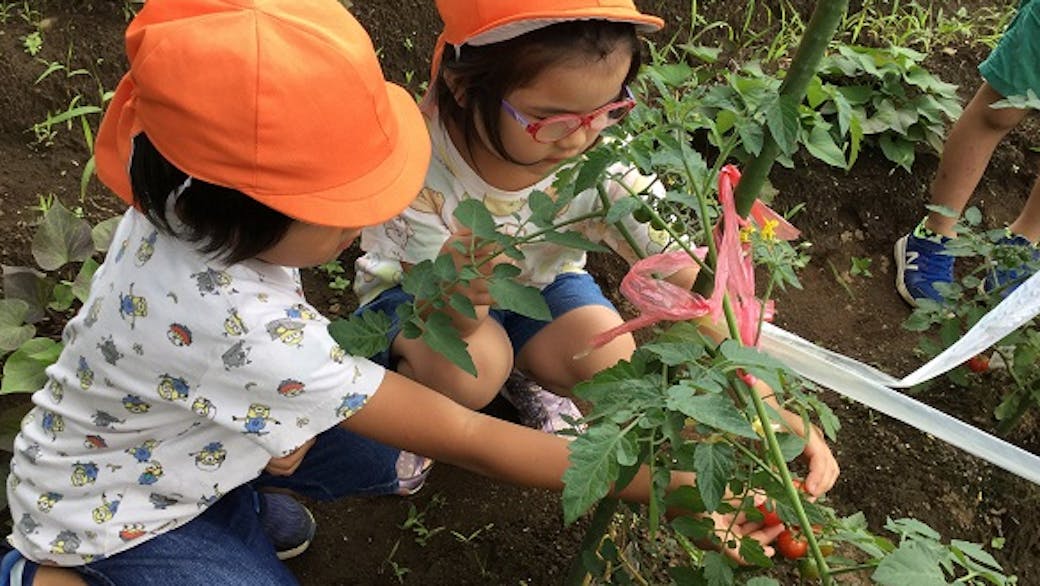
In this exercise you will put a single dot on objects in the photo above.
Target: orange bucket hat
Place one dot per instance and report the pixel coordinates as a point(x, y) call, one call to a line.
point(283, 100)
point(483, 22)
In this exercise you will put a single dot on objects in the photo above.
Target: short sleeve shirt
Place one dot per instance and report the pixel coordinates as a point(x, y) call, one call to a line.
point(179, 380)
point(420, 231)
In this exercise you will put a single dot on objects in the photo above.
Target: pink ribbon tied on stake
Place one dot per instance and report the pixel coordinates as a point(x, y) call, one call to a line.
point(658, 300)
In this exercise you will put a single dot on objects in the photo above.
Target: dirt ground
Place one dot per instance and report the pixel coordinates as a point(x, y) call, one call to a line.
point(483, 532)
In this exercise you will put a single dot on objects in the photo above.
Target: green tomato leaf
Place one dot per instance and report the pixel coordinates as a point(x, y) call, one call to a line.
point(912, 563)
point(463, 305)
point(474, 215)
point(512, 296)
point(593, 468)
point(714, 465)
point(717, 569)
point(572, 239)
point(362, 335)
point(442, 336)
point(714, 410)
point(784, 123)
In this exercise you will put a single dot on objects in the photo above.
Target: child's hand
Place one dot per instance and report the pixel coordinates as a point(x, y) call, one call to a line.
point(823, 468)
point(731, 528)
point(288, 464)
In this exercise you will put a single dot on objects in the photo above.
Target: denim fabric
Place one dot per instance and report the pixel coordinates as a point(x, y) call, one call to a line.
point(569, 291)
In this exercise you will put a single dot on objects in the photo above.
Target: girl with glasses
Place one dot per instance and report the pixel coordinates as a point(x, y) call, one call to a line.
point(519, 90)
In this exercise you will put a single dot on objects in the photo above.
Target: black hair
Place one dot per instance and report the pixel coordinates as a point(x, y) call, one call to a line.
point(489, 72)
point(222, 221)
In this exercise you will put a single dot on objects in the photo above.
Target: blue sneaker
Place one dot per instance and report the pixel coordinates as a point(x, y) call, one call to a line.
point(287, 523)
point(1017, 259)
point(920, 264)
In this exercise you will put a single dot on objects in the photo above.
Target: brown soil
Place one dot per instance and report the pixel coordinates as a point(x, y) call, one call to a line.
point(489, 533)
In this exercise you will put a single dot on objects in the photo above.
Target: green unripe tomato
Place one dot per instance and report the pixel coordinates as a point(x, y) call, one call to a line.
point(641, 215)
point(808, 569)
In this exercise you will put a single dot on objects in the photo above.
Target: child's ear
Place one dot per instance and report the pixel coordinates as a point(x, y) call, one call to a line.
point(455, 86)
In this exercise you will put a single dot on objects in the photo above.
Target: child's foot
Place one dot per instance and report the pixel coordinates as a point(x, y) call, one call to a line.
point(921, 262)
point(412, 470)
point(537, 407)
point(287, 523)
point(1018, 253)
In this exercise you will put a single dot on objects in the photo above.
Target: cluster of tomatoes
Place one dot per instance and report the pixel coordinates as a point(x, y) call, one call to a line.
point(791, 543)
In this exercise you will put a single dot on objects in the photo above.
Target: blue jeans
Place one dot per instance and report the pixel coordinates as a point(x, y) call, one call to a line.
point(569, 291)
point(226, 544)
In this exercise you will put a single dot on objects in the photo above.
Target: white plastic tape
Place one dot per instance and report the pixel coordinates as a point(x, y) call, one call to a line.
point(870, 386)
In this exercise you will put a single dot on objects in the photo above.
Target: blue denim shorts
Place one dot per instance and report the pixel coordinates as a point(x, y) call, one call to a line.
point(569, 291)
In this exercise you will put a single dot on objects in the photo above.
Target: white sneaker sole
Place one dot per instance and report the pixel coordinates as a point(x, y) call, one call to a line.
point(900, 257)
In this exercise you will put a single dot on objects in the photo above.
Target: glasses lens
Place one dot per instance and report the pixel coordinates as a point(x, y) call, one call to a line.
point(611, 116)
point(555, 129)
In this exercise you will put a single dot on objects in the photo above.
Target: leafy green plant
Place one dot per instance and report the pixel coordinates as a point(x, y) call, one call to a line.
point(416, 521)
point(336, 275)
point(861, 267)
point(63, 247)
point(966, 301)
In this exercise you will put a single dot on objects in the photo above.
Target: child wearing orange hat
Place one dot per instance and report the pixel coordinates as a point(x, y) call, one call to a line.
point(518, 90)
point(252, 138)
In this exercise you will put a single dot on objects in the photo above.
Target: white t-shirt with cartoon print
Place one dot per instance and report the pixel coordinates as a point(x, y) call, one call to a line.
point(420, 231)
point(180, 379)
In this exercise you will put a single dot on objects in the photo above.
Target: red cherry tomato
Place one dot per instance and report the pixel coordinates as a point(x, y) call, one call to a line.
point(978, 363)
point(769, 518)
point(791, 546)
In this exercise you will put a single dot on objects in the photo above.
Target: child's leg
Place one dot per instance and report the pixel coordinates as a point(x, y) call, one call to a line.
point(557, 356)
point(967, 153)
point(1028, 221)
point(224, 545)
point(490, 350)
point(488, 346)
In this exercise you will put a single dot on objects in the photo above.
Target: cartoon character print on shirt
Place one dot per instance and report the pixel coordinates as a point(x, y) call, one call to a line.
point(85, 374)
point(105, 419)
point(132, 306)
point(146, 249)
point(94, 312)
point(162, 501)
point(125, 244)
point(213, 282)
point(52, 424)
point(256, 419)
point(233, 325)
point(152, 473)
point(142, 452)
point(27, 525)
point(66, 542)
point(211, 457)
point(84, 473)
point(136, 404)
point(203, 407)
point(287, 331)
point(399, 231)
point(236, 356)
point(351, 404)
point(501, 207)
point(94, 442)
point(178, 334)
point(106, 510)
point(172, 388)
point(290, 388)
point(56, 390)
point(207, 500)
point(109, 352)
point(45, 503)
point(301, 311)
point(31, 453)
point(132, 531)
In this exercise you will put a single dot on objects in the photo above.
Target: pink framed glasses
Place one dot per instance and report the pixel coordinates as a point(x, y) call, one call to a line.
point(554, 128)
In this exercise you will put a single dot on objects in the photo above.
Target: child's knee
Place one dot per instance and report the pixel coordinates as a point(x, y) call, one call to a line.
point(54, 576)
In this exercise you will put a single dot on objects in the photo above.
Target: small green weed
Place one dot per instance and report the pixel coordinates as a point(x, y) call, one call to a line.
point(861, 267)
